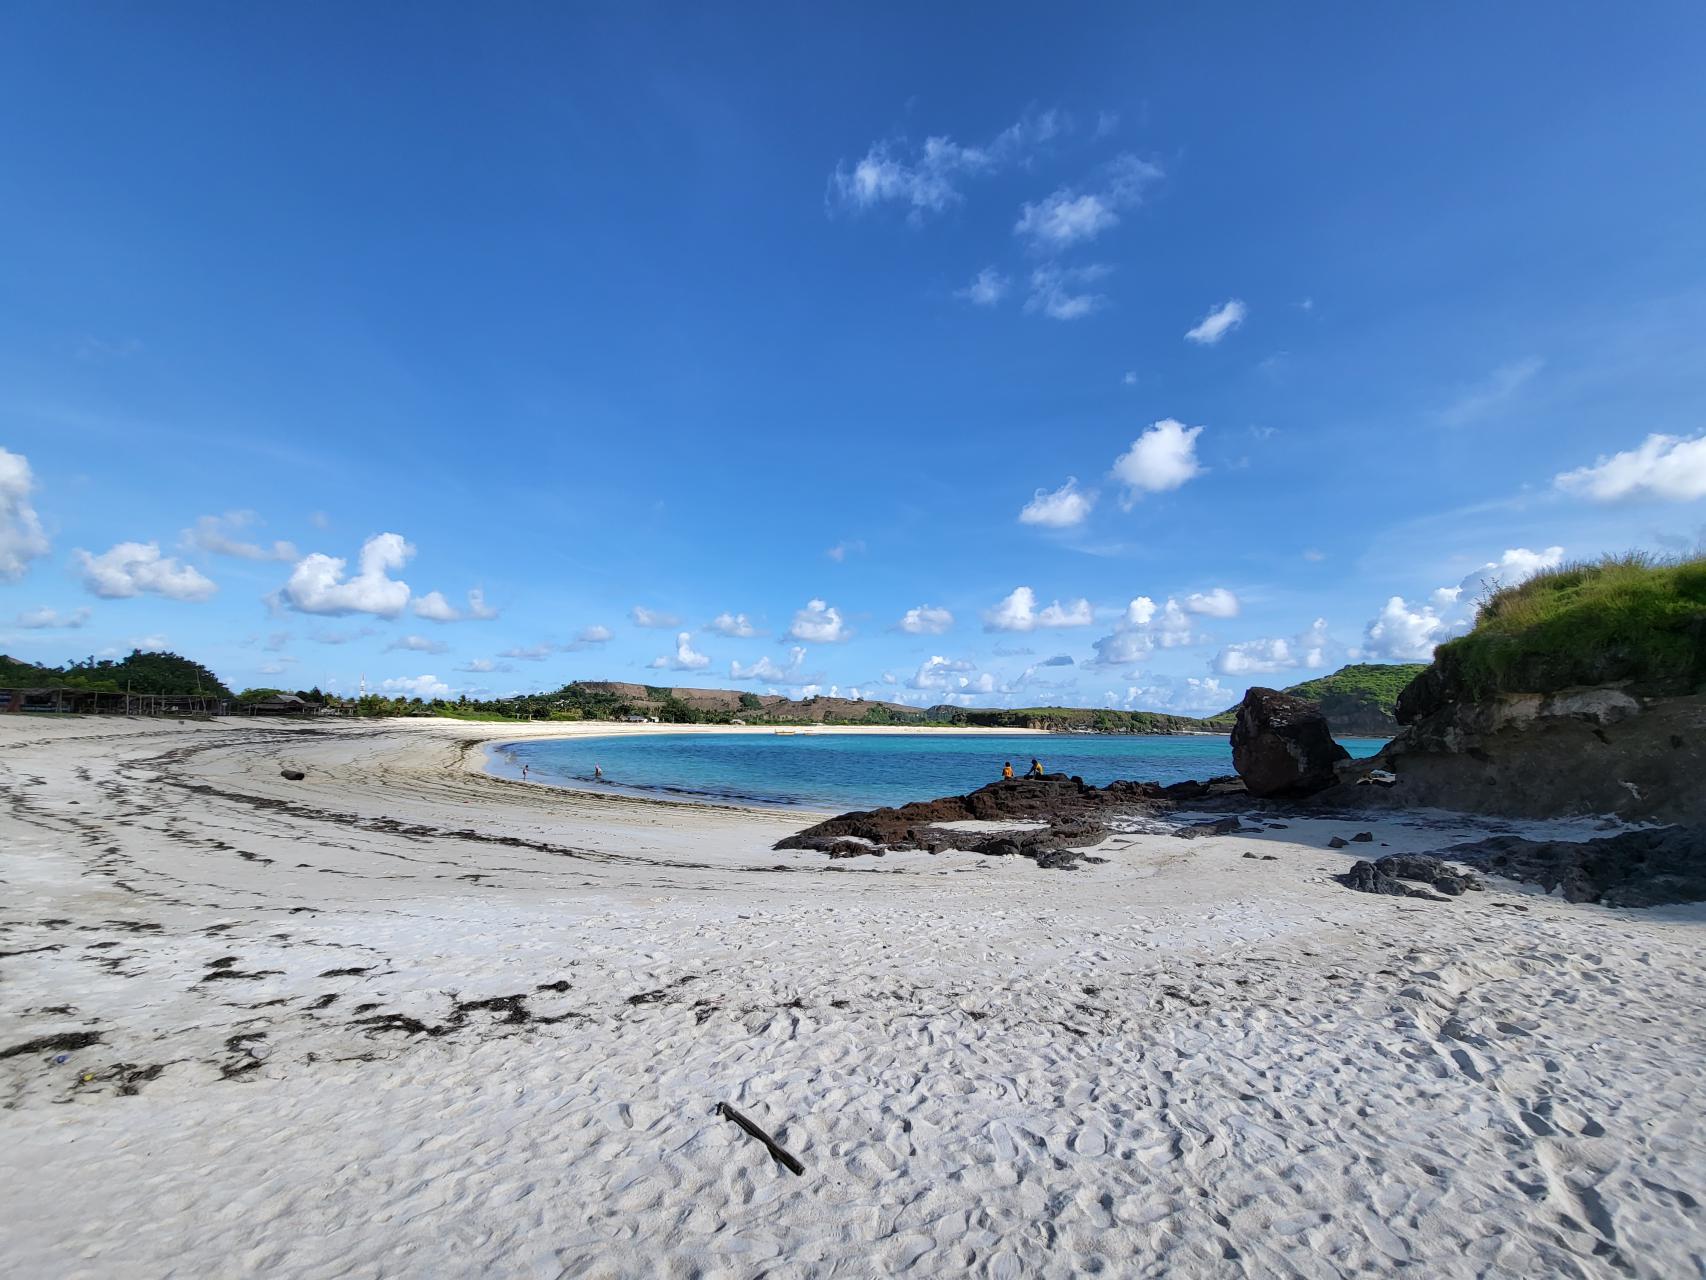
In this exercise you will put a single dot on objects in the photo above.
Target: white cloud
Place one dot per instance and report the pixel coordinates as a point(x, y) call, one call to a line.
point(1162, 458)
point(1218, 603)
point(1190, 696)
point(138, 568)
point(318, 585)
point(1139, 612)
point(218, 534)
point(1065, 219)
point(1142, 629)
point(418, 644)
point(735, 625)
point(45, 618)
point(841, 550)
point(770, 672)
point(21, 536)
point(926, 620)
point(1061, 509)
point(483, 666)
point(1260, 657)
point(939, 673)
point(1500, 386)
point(531, 652)
point(277, 667)
point(1218, 323)
point(818, 623)
point(435, 608)
point(644, 617)
point(427, 687)
point(1402, 634)
point(1668, 468)
point(1018, 612)
point(926, 179)
point(1516, 566)
point(1130, 378)
point(1057, 291)
point(987, 288)
point(594, 634)
point(686, 657)
point(1122, 648)
point(1068, 217)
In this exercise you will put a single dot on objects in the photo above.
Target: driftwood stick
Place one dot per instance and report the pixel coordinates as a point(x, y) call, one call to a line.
point(775, 1148)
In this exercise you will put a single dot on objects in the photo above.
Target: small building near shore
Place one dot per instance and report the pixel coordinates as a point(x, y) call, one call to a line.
point(282, 704)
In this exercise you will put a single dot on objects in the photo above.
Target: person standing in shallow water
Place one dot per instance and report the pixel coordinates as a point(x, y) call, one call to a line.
point(1007, 771)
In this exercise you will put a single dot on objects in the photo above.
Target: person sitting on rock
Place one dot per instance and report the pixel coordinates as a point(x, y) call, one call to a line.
point(1007, 771)
point(1036, 770)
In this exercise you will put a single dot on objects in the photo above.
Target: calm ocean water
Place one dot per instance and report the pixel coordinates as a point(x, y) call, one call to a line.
point(856, 771)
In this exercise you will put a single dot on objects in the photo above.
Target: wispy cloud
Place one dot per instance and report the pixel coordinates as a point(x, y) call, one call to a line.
point(987, 288)
point(1218, 323)
point(1061, 293)
point(1492, 392)
point(1069, 216)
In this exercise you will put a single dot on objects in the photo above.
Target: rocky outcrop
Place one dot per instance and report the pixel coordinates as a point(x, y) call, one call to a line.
point(1646, 868)
point(1387, 875)
point(1281, 746)
point(1606, 749)
point(1058, 814)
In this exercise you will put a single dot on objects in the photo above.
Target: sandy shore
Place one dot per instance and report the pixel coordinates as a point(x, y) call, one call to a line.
point(404, 1018)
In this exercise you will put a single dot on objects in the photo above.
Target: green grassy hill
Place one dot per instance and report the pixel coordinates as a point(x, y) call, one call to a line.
point(1358, 699)
point(1628, 618)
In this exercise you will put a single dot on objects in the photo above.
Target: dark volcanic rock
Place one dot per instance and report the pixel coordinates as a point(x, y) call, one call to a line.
point(1647, 868)
point(1388, 875)
point(1281, 746)
point(1072, 812)
point(1365, 877)
point(1219, 827)
point(293, 775)
point(1338, 842)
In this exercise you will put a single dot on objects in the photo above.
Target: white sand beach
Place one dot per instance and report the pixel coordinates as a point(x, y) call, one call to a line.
point(404, 1018)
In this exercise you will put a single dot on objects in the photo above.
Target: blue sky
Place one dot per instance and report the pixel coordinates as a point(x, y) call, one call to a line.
point(1085, 355)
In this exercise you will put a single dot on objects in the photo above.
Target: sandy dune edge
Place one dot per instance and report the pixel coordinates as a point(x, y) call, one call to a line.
point(405, 1018)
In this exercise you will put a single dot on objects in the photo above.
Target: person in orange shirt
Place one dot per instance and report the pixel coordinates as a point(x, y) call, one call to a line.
point(1007, 771)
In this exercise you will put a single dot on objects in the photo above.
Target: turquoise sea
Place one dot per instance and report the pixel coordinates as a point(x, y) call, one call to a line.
point(855, 771)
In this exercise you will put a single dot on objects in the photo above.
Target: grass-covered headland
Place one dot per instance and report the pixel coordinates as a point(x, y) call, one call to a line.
point(1633, 618)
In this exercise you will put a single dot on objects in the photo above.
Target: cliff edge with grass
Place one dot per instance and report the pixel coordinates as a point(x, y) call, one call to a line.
point(1581, 691)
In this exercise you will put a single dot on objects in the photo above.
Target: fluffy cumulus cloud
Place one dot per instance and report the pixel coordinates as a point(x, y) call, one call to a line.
point(1218, 323)
point(318, 583)
point(435, 608)
point(771, 672)
point(926, 179)
point(926, 620)
point(1260, 657)
point(594, 634)
point(1143, 628)
point(45, 619)
point(427, 687)
point(22, 538)
point(1666, 468)
point(138, 568)
point(223, 536)
point(1069, 216)
point(1403, 632)
point(1060, 509)
point(939, 673)
point(1218, 603)
point(987, 288)
point(644, 617)
point(1190, 696)
point(1162, 458)
point(418, 644)
point(818, 623)
point(1018, 612)
point(1400, 633)
point(1064, 293)
point(686, 658)
point(734, 625)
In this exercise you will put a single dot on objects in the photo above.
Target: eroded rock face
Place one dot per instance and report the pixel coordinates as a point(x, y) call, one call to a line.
point(1282, 747)
point(1594, 750)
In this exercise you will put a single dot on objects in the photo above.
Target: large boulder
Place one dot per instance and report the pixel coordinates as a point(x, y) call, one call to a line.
point(1281, 746)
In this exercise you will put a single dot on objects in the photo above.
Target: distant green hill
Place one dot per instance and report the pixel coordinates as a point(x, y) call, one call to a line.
point(140, 672)
point(1629, 618)
point(1358, 699)
point(1066, 719)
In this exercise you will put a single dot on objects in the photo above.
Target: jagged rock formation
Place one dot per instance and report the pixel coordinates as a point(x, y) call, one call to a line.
point(1281, 746)
point(1603, 750)
point(1646, 868)
point(1070, 812)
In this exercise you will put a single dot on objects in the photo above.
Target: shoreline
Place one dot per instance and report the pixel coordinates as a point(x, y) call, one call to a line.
point(402, 1001)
